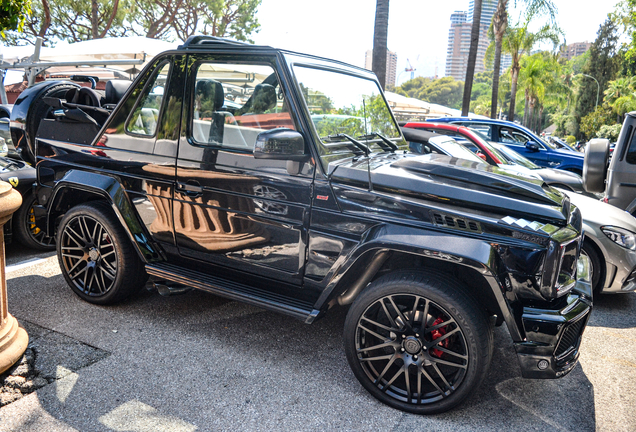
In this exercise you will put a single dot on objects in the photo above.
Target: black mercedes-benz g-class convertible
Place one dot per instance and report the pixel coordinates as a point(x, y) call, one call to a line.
point(282, 180)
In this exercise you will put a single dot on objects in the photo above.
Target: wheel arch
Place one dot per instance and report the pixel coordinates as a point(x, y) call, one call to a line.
point(468, 260)
point(80, 187)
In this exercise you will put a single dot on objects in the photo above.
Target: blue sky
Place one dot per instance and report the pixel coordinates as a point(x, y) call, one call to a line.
point(418, 29)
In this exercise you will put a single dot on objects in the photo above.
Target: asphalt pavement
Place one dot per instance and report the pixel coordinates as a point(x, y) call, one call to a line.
point(197, 362)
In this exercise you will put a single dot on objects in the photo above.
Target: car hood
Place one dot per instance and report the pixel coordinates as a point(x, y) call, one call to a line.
point(453, 182)
point(552, 175)
point(597, 213)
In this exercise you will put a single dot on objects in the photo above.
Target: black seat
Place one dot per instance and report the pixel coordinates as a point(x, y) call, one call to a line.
point(263, 99)
point(115, 91)
point(209, 98)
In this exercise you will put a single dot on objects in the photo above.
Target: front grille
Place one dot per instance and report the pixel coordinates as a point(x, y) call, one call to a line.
point(455, 222)
point(571, 337)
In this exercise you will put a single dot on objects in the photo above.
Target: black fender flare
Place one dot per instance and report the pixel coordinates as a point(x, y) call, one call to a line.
point(476, 254)
point(108, 189)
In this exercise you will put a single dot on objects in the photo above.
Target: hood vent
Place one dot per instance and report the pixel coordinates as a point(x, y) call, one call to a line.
point(444, 220)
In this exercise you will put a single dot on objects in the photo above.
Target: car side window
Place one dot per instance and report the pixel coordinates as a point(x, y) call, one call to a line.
point(145, 117)
point(630, 157)
point(510, 136)
point(233, 103)
point(480, 127)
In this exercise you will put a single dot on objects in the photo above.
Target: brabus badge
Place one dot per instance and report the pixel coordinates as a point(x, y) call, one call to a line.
point(322, 197)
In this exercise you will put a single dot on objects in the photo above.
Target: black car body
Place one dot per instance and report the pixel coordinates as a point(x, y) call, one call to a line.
point(267, 204)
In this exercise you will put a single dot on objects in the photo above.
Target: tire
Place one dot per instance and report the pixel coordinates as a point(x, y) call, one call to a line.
point(25, 230)
point(401, 348)
point(96, 257)
point(596, 267)
point(595, 165)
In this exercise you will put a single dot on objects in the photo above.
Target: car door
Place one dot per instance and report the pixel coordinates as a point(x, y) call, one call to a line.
point(518, 141)
point(233, 211)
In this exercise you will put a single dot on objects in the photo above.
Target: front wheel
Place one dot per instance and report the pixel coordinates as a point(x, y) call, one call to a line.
point(96, 257)
point(418, 342)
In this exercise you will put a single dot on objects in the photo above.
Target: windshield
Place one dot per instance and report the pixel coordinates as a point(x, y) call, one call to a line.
point(515, 157)
point(483, 140)
point(345, 104)
point(454, 149)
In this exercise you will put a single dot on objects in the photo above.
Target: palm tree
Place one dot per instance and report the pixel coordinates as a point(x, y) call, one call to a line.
point(518, 41)
point(380, 32)
point(472, 57)
point(500, 24)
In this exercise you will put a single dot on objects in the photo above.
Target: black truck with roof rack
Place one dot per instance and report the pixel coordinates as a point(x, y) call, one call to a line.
point(282, 180)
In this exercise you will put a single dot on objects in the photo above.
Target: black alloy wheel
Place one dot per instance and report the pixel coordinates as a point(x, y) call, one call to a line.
point(418, 343)
point(26, 232)
point(96, 257)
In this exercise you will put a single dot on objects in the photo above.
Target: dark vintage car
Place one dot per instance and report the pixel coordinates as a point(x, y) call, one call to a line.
point(21, 227)
point(282, 180)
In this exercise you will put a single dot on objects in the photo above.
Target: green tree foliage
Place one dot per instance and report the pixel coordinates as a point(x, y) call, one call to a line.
point(13, 14)
point(78, 20)
point(603, 65)
point(611, 132)
point(443, 91)
point(592, 123)
point(518, 41)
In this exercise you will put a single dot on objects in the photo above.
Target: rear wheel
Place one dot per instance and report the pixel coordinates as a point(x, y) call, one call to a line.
point(418, 342)
point(96, 257)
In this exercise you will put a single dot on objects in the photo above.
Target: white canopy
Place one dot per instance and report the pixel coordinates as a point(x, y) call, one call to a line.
point(123, 48)
point(407, 107)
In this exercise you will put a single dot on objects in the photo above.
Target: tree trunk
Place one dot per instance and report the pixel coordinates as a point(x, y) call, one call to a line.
point(514, 78)
point(499, 25)
point(472, 57)
point(47, 18)
point(525, 108)
point(380, 32)
point(94, 20)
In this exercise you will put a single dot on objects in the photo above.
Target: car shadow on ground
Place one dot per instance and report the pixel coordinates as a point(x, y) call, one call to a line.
point(308, 362)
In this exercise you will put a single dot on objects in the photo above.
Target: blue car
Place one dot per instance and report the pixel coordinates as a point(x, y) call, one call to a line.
point(523, 141)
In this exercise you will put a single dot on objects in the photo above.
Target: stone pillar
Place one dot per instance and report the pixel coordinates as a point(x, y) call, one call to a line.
point(13, 338)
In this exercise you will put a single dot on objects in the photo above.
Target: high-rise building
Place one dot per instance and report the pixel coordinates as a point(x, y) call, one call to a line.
point(459, 40)
point(575, 49)
point(391, 66)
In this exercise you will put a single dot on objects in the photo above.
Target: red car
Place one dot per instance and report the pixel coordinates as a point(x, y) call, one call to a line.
point(454, 131)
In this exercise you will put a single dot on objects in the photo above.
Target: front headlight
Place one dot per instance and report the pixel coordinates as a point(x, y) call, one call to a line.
point(620, 236)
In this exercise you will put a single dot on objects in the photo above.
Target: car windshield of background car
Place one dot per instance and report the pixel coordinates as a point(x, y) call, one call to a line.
point(454, 149)
point(345, 104)
point(515, 157)
point(483, 140)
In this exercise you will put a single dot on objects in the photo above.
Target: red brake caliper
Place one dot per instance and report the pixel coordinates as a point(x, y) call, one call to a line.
point(438, 333)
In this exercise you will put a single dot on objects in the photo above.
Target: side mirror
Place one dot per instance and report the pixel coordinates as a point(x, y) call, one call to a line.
point(280, 144)
point(482, 156)
point(532, 146)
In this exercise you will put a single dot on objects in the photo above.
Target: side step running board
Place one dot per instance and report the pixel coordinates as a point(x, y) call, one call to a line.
point(235, 291)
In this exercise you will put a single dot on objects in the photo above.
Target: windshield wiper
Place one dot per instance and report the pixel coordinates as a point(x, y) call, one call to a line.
point(353, 141)
point(387, 143)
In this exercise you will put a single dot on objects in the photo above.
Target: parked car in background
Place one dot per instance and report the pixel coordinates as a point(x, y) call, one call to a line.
point(495, 155)
point(21, 227)
point(610, 244)
point(559, 143)
point(174, 183)
point(522, 140)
